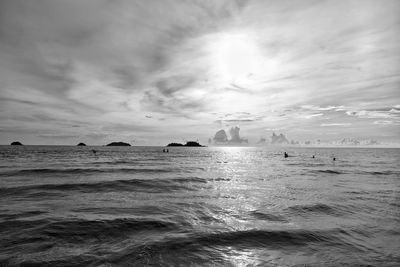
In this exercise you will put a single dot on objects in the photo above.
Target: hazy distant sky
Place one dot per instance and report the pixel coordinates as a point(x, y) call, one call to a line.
point(158, 71)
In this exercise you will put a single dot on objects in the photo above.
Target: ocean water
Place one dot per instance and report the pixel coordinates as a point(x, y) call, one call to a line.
point(137, 206)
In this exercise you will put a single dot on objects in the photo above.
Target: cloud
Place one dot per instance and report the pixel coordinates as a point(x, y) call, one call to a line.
point(313, 115)
point(250, 62)
point(374, 114)
point(221, 137)
point(335, 124)
point(235, 135)
point(328, 108)
point(383, 122)
point(238, 117)
point(59, 136)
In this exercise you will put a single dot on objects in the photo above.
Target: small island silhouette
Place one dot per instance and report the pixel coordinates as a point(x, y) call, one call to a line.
point(190, 143)
point(81, 144)
point(118, 144)
point(16, 143)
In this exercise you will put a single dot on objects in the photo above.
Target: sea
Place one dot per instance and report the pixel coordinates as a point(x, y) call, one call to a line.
point(206, 206)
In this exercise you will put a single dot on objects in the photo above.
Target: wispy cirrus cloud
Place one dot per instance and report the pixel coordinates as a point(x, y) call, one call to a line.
point(335, 124)
point(328, 108)
point(383, 122)
point(313, 115)
point(375, 114)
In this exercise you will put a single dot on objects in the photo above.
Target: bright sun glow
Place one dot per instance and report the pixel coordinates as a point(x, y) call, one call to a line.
point(236, 57)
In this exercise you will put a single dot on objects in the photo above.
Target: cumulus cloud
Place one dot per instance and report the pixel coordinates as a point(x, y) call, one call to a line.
point(221, 137)
point(235, 135)
point(279, 139)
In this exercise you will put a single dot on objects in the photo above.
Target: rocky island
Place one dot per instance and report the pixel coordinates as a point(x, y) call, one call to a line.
point(118, 144)
point(16, 143)
point(190, 143)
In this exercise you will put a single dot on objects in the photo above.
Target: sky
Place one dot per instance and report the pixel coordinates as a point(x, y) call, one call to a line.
point(153, 72)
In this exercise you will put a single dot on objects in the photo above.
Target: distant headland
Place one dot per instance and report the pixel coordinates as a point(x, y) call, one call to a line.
point(81, 144)
point(16, 143)
point(118, 144)
point(190, 143)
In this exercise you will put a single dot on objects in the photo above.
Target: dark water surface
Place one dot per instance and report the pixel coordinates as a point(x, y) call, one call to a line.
point(137, 206)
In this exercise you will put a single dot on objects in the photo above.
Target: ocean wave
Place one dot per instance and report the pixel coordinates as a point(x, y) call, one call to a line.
point(256, 237)
point(140, 161)
point(147, 210)
point(74, 231)
point(395, 204)
point(66, 260)
point(380, 172)
point(195, 244)
point(44, 171)
point(315, 208)
point(139, 185)
point(220, 179)
point(198, 247)
point(267, 216)
point(327, 171)
point(168, 241)
point(356, 172)
point(13, 216)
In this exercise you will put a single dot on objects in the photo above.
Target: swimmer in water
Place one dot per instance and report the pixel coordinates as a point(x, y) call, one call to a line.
point(334, 158)
point(285, 155)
